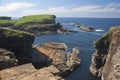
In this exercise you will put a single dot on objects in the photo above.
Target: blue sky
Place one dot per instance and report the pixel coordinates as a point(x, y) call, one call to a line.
point(61, 8)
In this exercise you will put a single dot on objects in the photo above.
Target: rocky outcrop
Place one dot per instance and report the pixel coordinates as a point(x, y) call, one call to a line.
point(44, 28)
point(7, 59)
point(18, 42)
point(53, 55)
point(28, 72)
point(106, 61)
point(40, 28)
point(85, 28)
point(56, 55)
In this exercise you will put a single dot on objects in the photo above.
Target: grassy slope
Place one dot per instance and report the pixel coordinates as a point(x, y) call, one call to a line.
point(12, 33)
point(6, 22)
point(34, 18)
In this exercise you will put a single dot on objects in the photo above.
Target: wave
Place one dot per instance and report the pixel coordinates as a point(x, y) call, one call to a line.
point(70, 24)
point(99, 30)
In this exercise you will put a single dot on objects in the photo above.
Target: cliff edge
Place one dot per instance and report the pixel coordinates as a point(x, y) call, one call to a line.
point(106, 60)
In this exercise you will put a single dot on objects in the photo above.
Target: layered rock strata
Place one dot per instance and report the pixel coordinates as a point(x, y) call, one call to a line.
point(106, 60)
point(53, 55)
point(56, 55)
point(28, 72)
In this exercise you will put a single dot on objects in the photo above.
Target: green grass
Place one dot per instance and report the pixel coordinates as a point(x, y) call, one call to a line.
point(12, 33)
point(107, 35)
point(6, 23)
point(34, 18)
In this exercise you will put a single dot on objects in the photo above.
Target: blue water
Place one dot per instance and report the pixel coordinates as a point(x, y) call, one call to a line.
point(81, 39)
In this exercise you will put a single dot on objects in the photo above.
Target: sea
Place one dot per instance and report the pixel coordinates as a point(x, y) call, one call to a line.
point(80, 39)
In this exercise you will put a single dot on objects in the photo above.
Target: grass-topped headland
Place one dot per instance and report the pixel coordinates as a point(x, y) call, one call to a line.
point(7, 23)
point(36, 24)
point(45, 18)
point(12, 33)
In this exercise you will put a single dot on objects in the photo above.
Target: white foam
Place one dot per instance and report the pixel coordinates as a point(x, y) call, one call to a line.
point(99, 30)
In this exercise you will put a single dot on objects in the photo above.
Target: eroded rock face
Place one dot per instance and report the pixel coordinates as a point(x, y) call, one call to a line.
point(28, 72)
point(56, 55)
point(7, 59)
point(40, 28)
point(106, 60)
point(16, 41)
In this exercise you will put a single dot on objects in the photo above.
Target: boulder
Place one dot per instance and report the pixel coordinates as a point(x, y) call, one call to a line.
point(106, 61)
point(7, 59)
point(18, 42)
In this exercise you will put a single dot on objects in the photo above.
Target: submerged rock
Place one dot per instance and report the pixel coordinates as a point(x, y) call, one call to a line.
point(7, 59)
point(106, 60)
point(18, 42)
point(85, 28)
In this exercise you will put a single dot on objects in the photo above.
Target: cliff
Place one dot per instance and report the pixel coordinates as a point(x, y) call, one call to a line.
point(105, 61)
point(16, 41)
point(39, 24)
point(32, 19)
point(36, 24)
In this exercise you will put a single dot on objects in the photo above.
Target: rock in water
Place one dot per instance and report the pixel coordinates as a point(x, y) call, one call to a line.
point(7, 59)
point(55, 53)
point(106, 59)
point(18, 42)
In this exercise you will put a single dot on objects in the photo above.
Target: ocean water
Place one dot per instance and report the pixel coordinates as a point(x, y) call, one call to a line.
point(82, 40)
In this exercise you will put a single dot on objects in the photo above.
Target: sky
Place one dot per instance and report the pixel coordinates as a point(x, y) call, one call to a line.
point(61, 8)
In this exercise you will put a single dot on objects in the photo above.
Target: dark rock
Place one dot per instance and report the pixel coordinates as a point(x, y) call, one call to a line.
point(18, 42)
point(7, 59)
point(5, 18)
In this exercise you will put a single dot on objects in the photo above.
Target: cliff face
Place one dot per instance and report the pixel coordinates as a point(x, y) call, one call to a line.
point(16, 41)
point(106, 60)
point(40, 28)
